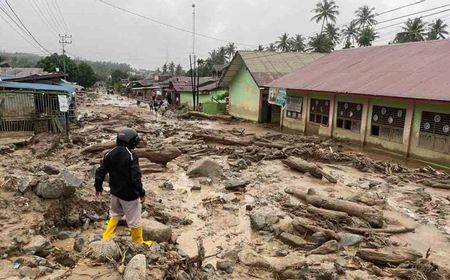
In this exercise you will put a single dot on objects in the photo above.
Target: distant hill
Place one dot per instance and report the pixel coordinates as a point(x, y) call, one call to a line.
point(102, 68)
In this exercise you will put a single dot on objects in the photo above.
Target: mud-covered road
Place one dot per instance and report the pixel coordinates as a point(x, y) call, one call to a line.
point(225, 206)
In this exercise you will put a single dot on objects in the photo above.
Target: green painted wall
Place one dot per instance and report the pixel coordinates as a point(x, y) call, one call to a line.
point(384, 144)
point(346, 134)
point(420, 152)
point(186, 97)
point(244, 96)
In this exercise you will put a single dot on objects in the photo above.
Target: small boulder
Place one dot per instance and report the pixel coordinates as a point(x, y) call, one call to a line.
point(349, 239)
point(263, 220)
point(50, 169)
point(65, 234)
point(326, 248)
point(38, 245)
point(71, 180)
point(236, 185)
point(156, 231)
point(225, 265)
point(295, 241)
point(79, 243)
point(251, 258)
point(52, 188)
point(24, 184)
point(205, 167)
point(167, 185)
point(319, 238)
point(136, 269)
point(102, 250)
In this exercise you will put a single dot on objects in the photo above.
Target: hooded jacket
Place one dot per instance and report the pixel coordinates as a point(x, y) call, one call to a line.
point(122, 164)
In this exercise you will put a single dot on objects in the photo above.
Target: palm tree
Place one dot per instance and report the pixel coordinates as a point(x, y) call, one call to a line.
point(320, 43)
point(271, 47)
point(260, 48)
point(365, 16)
point(413, 31)
point(437, 30)
point(350, 34)
point(171, 68)
point(283, 43)
point(325, 11)
point(367, 36)
point(230, 50)
point(298, 43)
point(333, 33)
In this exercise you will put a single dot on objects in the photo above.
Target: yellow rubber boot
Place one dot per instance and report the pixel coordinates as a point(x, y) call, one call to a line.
point(137, 235)
point(110, 228)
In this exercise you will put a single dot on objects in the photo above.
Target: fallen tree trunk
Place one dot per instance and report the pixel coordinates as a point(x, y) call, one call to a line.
point(326, 248)
point(436, 185)
point(388, 256)
point(269, 145)
point(201, 115)
point(303, 225)
point(147, 168)
point(328, 214)
point(392, 230)
point(162, 156)
point(223, 140)
point(367, 213)
point(99, 147)
point(304, 166)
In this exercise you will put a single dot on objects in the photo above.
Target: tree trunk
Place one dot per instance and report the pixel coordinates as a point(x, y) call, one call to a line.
point(303, 226)
point(393, 230)
point(304, 166)
point(161, 156)
point(328, 214)
point(388, 256)
point(367, 213)
point(99, 147)
point(205, 116)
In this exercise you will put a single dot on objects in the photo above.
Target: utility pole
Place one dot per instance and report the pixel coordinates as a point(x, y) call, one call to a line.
point(64, 41)
point(193, 29)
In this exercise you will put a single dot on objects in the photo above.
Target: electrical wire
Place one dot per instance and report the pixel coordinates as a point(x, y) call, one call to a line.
point(59, 12)
point(52, 17)
point(172, 26)
point(399, 8)
point(416, 13)
point(44, 19)
point(424, 16)
point(21, 25)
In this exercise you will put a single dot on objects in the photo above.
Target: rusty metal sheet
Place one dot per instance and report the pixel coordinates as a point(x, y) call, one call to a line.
point(413, 70)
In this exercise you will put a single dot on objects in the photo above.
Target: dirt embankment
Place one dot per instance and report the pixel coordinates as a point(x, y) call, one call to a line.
point(226, 200)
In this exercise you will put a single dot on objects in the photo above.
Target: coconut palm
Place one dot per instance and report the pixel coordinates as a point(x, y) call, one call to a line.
point(437, 30)
point(271, 47)
point(325, 11)
point(283, 43)
point(367, 36)
point(333, 33)
point(320, 43)
point(298, 43)
point(230, 50)
point(365, 16)
point(350, 33)
point(413, 31)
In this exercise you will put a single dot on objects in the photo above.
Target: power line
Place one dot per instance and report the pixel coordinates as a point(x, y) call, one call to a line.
point(20, 34)
point(25, 28)
point(416, 13)
point(396, 24)
point(399, 8)
point(52, 17)
point(58, 12)
point(44, 19)
point(172, 26)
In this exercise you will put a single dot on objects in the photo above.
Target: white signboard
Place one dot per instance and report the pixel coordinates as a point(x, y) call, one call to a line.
point(63, 103)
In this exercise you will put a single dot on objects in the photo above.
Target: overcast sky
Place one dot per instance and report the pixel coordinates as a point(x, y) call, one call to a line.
point(107, 34)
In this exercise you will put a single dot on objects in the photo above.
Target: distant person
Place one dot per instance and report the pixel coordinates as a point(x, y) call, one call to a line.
point(127, 193)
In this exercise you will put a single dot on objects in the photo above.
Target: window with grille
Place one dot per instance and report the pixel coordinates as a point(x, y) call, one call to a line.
point(349, 116)
point(294, 107)
point(435, 132)
point(319, 111)
point(388, 123)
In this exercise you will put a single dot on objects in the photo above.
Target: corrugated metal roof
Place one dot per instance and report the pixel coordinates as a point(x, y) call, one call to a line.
point(266, 66)
point(20, 72)
point(31, 86)
point(413, 70)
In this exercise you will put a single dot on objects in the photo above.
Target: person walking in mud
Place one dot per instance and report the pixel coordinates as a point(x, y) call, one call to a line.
point(127, 193)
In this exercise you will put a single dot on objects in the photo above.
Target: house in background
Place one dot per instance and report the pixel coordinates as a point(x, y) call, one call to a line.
point(211, 96)
point(391, 98)
point(249, 72)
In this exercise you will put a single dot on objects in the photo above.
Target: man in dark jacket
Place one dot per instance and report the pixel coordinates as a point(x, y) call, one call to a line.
point(125, 183)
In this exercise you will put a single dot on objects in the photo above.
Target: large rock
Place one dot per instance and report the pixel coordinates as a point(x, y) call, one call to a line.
point(251, 258)
point(70, 180)
point(156, 231)
point(38, 245)
point(349, 239)
point(263, 220)
point(102, 250)
point(205, 167)
point(136, 269)
point(54, 188)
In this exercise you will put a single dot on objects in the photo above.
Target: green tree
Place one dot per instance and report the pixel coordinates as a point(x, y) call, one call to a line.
point(320, 43)
point(325, 11)
point(283, 43)
point(298, 43)
point(55, 62)
point(260, 48)
point(179, 70)
point(437, 30)
point(350, 34)
point(164, 68)
point(271, 47)
point(367, 36)
point(333, 33)
point(85, 75)
point(171, 68)
point(365, 17)
point(413, 31)
point(117, 76)
point(230, 50)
